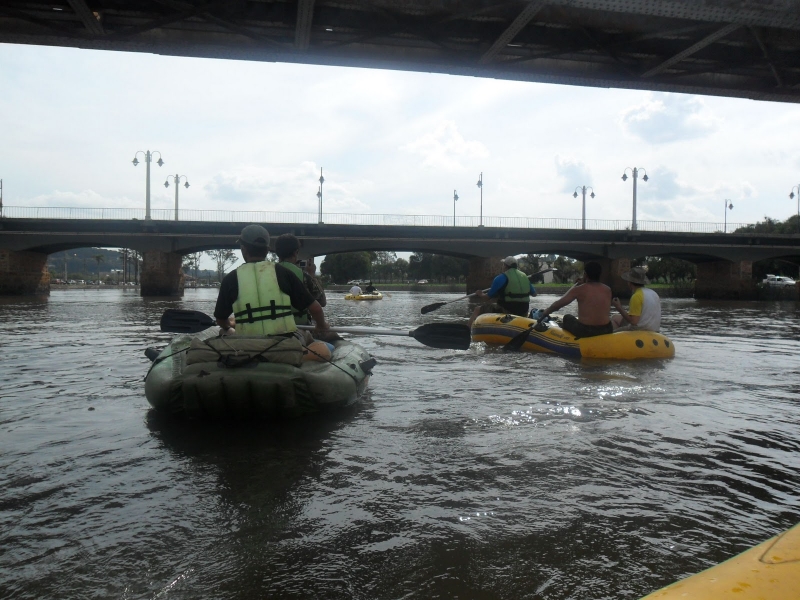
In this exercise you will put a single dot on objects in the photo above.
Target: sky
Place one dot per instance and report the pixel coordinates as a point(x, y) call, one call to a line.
point(253, 136)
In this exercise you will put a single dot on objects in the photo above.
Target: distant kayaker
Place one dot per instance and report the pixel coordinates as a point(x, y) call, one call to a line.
point(263, 296)
point(644, 308)
point(511, 290)
point(287, 247)
point(594, 302)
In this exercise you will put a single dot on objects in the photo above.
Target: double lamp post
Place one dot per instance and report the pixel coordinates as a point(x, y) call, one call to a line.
point(148, 158)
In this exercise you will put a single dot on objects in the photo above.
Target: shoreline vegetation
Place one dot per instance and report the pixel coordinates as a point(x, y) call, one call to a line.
point(664, 290)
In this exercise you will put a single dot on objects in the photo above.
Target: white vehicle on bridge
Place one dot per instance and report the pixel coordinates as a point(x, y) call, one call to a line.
point(779, 281)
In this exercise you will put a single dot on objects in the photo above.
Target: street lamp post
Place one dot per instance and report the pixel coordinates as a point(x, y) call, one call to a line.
point(791, 195)
point(635, 172)
point(176, 180)
point(455, 199)
point(148, 156)
point(480, 185)
point(583, 191)
point(728, 206)
point(319, 194)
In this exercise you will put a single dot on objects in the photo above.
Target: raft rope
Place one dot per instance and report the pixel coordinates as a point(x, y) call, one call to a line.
point(236, 351)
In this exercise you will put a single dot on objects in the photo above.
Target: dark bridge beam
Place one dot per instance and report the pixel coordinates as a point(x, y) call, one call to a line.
point(305, 17)
point(87, 17)
point(706, 41)
point(525, 17)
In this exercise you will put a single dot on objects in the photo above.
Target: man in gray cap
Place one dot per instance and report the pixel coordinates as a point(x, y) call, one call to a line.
point(262, 295)
point(511, 289)
point(644, 308)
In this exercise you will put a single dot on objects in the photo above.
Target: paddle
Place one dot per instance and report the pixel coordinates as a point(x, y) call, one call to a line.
point(449, 336)
point(452, 336)
point(516, 343)
point(437, 305)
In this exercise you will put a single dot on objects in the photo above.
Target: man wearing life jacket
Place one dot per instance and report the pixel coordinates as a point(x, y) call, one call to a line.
point(511, 289)
point(263, 296)
point(287, 248)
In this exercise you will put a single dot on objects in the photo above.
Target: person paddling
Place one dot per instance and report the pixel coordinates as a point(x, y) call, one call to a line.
point(263, 296)
point(511, 291)
point(594, 303)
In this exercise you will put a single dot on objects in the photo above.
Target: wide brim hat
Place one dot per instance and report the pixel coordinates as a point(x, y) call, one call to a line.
point(636, 275)
point(254, 235)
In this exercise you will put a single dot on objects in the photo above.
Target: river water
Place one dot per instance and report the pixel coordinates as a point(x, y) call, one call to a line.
point(471, 474)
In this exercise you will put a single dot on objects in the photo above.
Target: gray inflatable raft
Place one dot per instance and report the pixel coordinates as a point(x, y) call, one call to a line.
point(236, 377)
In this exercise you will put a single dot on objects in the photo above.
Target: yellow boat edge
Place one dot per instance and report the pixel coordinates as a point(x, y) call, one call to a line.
point(768, 571)
point(498, 329)
point(376, 296)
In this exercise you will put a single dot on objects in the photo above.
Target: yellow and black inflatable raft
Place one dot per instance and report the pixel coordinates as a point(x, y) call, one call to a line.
point(769, 571)
point(498, 329)
point(375, 296)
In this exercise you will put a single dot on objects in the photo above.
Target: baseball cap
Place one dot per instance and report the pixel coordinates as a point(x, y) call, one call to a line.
point(254, 235)
point(510, 261)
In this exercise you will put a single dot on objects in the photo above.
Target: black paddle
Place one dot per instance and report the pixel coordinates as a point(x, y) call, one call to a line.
point(516, 343)
point(437, 305)
point(450, 336)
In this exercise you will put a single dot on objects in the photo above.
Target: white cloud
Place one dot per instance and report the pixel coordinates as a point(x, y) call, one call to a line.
point(445, 148)
point(572, 171)
point(666, 118)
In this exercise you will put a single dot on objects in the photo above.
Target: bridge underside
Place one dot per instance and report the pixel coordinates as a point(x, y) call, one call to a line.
point(724, 48)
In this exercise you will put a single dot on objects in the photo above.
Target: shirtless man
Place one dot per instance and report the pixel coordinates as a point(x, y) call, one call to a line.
point(594, 303)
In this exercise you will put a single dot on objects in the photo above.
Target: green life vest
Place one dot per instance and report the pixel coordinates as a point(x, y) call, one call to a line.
point(261, 308)
point(301, 317)
point(518, 288)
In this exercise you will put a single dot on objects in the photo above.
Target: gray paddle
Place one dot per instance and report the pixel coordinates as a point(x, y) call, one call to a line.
point(449, 336)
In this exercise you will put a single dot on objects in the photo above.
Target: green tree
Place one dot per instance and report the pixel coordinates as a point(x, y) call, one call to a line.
point(99, 258)
point(568, 269)
point(344, 266)
point(383, 265)
point(666, 269)
point(222, 258)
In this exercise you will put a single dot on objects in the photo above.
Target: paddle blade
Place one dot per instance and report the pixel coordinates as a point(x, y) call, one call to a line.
point(176, 320)
point(432, 307)
point(450, 336)
point(515, 343)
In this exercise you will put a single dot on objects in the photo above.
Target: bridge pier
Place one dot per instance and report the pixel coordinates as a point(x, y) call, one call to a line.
point(482, 271)
point(611, 275)
point(23, 273)
point(725, 280)
point(161, 274)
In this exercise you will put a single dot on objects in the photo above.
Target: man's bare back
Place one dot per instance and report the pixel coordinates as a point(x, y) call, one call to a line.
point(594, 302)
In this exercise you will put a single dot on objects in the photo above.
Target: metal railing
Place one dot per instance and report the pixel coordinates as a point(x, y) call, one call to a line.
point(221, 216)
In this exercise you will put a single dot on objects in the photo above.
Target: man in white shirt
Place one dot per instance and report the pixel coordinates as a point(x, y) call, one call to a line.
point(355, 290)
point(644, 308)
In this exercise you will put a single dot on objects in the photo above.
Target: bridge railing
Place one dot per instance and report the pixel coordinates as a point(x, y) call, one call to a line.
point(165, 214)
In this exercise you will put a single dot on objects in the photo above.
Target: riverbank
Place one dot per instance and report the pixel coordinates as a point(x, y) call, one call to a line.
point(665, 291)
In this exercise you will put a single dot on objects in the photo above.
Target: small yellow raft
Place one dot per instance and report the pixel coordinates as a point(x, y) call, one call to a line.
point(498, 329)
point(769, 571)
point(375, 296)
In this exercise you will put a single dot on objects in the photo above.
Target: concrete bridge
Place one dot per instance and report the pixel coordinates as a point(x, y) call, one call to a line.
point(724, 260)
